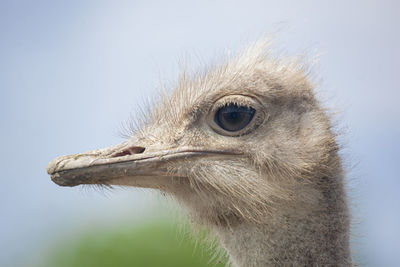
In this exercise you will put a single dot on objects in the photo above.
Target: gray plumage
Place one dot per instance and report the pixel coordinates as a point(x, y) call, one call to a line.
point(273, 192)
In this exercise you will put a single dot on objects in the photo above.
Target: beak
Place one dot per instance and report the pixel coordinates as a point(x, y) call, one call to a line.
point(126, 164)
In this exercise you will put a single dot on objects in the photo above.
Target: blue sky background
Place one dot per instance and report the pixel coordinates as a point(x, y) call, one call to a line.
point(71, 72)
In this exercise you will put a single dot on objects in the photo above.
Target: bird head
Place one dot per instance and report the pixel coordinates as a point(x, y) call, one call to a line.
point(232, 143)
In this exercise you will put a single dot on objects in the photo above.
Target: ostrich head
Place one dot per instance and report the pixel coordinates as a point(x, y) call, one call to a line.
point(245, 142)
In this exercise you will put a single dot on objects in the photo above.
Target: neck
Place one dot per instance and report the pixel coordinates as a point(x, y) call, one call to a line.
point(315, 237)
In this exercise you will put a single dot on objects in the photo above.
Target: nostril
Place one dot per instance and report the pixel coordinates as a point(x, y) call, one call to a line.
point(137, 149)
point(129, 151)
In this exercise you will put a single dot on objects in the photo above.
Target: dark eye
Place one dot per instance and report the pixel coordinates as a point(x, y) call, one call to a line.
point(233, 118)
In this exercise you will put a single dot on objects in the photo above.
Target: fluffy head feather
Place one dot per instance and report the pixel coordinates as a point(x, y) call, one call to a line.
point(272, 189)
point(285, 157)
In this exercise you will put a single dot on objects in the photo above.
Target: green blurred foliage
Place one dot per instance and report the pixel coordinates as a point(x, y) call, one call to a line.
point(160, 244)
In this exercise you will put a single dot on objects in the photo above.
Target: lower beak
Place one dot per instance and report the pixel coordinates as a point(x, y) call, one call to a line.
point(123, 164)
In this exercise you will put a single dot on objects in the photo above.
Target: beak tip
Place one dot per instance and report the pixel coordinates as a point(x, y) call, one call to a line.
point(52, 169)
point(62, 181)
point(51, 166)
point(55, 178)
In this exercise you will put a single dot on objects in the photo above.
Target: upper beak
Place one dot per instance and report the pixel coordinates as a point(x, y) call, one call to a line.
point(124, 164)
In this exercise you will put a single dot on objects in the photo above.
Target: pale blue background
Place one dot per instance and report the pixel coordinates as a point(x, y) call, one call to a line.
point(72, 71)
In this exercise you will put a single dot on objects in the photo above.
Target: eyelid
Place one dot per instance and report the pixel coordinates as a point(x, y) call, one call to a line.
point(233, 100)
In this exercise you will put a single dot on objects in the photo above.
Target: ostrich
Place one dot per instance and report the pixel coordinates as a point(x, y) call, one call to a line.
point(248, 150)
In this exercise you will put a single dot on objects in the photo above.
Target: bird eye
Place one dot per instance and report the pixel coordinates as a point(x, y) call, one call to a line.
point(233, 117)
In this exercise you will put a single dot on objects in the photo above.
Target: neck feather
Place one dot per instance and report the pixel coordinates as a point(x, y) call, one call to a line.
point(297, 237)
